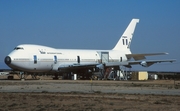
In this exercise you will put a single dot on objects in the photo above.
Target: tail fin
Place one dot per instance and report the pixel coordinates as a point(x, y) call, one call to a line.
point(125, 40)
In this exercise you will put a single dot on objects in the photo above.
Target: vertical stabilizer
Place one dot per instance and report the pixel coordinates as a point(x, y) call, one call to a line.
point(125, 40)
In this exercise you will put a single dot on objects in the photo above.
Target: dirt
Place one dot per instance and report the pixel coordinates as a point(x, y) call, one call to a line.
point(87, 102)
point(92, 101)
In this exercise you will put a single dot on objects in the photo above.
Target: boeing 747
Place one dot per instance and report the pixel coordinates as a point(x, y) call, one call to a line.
point(37, 58)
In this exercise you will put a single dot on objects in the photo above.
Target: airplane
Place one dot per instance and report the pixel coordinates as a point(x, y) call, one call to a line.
point(40, 59)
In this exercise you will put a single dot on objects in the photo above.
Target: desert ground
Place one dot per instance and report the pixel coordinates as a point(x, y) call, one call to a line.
point(87, 95)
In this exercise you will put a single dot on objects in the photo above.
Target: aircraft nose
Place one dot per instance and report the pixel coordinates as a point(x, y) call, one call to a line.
point(7, 60)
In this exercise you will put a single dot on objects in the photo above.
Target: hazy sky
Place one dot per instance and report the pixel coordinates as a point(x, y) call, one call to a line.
point(92, 24)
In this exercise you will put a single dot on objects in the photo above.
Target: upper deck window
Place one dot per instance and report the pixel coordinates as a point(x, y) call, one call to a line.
point(18, 48)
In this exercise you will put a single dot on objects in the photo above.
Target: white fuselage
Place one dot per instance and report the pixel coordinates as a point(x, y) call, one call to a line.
point(37, 58)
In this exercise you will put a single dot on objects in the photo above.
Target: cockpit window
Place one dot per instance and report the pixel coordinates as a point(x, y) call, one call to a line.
point(18, 48)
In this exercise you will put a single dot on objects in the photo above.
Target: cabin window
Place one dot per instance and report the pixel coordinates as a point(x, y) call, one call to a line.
point(35, 59)
point(55, 59)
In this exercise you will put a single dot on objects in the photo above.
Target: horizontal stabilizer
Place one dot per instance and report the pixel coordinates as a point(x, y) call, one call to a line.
point(142, 56)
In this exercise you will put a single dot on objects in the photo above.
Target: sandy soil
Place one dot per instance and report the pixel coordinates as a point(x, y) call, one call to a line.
point(87, 102)
point(47, 95)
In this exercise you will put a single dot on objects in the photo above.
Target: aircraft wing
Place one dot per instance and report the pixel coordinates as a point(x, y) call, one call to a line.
point(88, 66)
point(142, 56)
point(128, 64)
